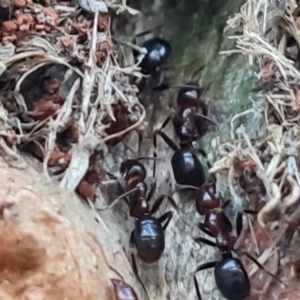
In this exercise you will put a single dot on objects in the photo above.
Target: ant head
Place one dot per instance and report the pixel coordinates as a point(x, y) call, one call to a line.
point(132, 167)
point(189, 96)
point(157, 52)
point(207, 199)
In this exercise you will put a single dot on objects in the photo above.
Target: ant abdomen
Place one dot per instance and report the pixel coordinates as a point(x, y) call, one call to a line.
point(232, 279)
point(149, 239)
point(187, 168)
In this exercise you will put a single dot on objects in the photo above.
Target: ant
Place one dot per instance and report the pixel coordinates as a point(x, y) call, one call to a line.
point(230, 275)
point(189, 126)
point(190, 121)
point(158, 50)
point(148, 235)
point(153, 54)
point(187, 168)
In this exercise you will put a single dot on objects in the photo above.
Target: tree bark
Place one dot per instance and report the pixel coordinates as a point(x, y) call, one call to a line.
point(53, 246)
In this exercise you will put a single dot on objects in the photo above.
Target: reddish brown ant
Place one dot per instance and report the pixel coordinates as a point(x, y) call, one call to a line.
point(148, 236)
point(190, 125)
point(191, 118)
point(230, 275)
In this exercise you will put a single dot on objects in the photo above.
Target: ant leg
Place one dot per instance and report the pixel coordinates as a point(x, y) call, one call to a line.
point(205, 241)
point(122, 197)
point(159, 201)
point(166, 122)
point(202, 128)
point(109, 181)
point(197, 72)
point(167, 140)
point(187, 187)
point(287, 237)
point(131, 240)
point(204, 154)
point(111, 176)
point(203, 228)
point(140, 140)
point(202, 267)
point(161, 87)
point(152, 190)
point(167, 216)
point(250, 211)
point(133, 261)
point(153, 184)
point(176, 124)
point(147, 158)
point(135, 49)
point(128, 147)
point(134, 265)
point(254, 260)
point(225, 204)
point(200, 116)
point(207, 265)
point(139, 143)
point(197, 288)
point(187, 86)
point(239, 224)
point(145, 32)
point(165, 86)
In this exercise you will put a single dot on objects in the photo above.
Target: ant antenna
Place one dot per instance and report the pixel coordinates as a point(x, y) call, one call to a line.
point(254, 260)
point(135, 270)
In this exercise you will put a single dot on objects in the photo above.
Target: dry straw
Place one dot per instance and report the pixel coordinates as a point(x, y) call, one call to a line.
point(280, 145)
point(264, 28)
point(89, 100)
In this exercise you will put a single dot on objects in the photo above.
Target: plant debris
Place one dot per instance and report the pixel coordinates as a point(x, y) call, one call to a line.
point(263, 171)
point(64, 97)
point(68, 87)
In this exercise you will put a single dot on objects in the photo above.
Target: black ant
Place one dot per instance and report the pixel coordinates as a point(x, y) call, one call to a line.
point(153, 54)
point(230, 275)
point(187, 168)
point(158, 51)
point(190, 121)
point(189, 126)
point(148, 235)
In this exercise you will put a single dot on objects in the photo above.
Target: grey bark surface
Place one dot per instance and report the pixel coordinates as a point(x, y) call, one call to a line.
point(195, 29)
